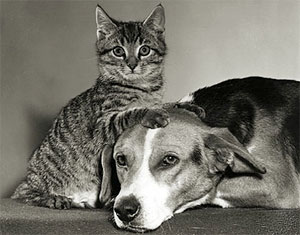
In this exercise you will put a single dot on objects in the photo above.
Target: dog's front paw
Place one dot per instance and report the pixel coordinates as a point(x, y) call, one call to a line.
point(155, 118)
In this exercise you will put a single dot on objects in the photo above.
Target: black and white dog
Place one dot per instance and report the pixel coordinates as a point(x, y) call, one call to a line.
point(234, 144)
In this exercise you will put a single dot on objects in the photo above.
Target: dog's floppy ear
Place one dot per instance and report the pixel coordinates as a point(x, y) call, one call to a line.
point(225, 150)
point(106, 185)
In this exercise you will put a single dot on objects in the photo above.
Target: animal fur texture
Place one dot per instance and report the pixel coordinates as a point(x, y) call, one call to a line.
point(64, 170)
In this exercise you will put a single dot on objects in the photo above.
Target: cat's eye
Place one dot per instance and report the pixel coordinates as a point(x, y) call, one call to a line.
point(169, 160)
point(118, 51)
point(121, 160)
point(144, 50)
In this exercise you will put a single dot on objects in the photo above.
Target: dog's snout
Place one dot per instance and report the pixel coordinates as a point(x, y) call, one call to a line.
point(127, 208)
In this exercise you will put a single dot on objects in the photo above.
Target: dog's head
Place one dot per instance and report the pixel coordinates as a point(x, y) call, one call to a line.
point(167, 170)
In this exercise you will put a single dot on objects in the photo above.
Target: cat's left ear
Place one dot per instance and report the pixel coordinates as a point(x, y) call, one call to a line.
point(156, 19)
point(105, 25)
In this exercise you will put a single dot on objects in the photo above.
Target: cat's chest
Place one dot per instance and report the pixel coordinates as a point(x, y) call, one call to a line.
point(124, 102)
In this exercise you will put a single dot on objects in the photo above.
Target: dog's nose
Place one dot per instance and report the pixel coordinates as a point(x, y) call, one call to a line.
point(127, 208)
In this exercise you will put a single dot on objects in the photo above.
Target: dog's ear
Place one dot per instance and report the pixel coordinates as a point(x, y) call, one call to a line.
point(225, 150)
point(106, 185)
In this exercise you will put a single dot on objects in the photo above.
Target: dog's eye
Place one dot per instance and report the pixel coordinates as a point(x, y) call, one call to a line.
point(118, 51)
point(121, 160)
point(169, 160)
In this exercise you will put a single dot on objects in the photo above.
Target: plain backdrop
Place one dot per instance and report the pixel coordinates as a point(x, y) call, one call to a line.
point(48, 57)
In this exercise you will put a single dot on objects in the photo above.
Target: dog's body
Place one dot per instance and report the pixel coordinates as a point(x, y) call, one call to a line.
point(244, 152)
point(263, 114)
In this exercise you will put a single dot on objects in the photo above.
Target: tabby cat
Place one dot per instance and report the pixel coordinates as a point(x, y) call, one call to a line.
point(64, 170)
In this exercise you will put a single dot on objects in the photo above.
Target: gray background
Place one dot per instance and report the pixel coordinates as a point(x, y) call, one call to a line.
point(48, 57)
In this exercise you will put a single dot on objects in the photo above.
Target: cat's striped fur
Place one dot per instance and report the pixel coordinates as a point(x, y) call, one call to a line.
point(64, 169)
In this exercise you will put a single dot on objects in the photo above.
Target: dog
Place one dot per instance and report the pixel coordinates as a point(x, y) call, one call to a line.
point(235, 144)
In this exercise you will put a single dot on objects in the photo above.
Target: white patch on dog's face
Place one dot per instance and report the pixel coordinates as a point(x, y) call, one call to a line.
point(187, 98)
point(151, 194)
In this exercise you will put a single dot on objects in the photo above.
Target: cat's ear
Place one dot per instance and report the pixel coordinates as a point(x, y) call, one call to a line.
point(105, 25)
point(226, 151)
point(156, 19)
point(106, 184)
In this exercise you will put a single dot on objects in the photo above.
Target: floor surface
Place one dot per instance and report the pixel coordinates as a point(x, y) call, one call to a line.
point(17, 218)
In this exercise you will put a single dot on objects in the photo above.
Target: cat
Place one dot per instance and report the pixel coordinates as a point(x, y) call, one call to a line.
point(63, 171)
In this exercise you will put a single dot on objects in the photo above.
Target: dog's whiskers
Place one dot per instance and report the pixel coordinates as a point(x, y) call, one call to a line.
point(168, 225)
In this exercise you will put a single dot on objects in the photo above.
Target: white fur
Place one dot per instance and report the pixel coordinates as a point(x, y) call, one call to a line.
point(187, 98)
point(151, 133)
point(251, 148)
point(220, 202)
point(80, 199)
point(192, 204)
point(147, 190)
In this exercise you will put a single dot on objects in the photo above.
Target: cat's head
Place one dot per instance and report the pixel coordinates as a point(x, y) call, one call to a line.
point(131, 50)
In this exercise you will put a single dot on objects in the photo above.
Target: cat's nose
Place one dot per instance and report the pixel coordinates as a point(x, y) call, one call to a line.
point(132, 66)
point(132, 63)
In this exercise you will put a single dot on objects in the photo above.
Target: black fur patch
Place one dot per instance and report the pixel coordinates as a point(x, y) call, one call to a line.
point(234, 104)
point(196, 154)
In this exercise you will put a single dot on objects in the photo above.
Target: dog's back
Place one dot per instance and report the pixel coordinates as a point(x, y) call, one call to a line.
point(246, 105)
point(263, 114)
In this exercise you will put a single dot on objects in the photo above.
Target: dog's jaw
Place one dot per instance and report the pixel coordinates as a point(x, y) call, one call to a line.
point(139, 229)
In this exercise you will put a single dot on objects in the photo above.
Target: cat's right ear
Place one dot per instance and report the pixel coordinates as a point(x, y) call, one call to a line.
point(156, 19)
point(105, 25)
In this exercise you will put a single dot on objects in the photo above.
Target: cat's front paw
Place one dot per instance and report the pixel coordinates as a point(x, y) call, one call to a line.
point(59, 202)
point(155, 118)
point(200, 112)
